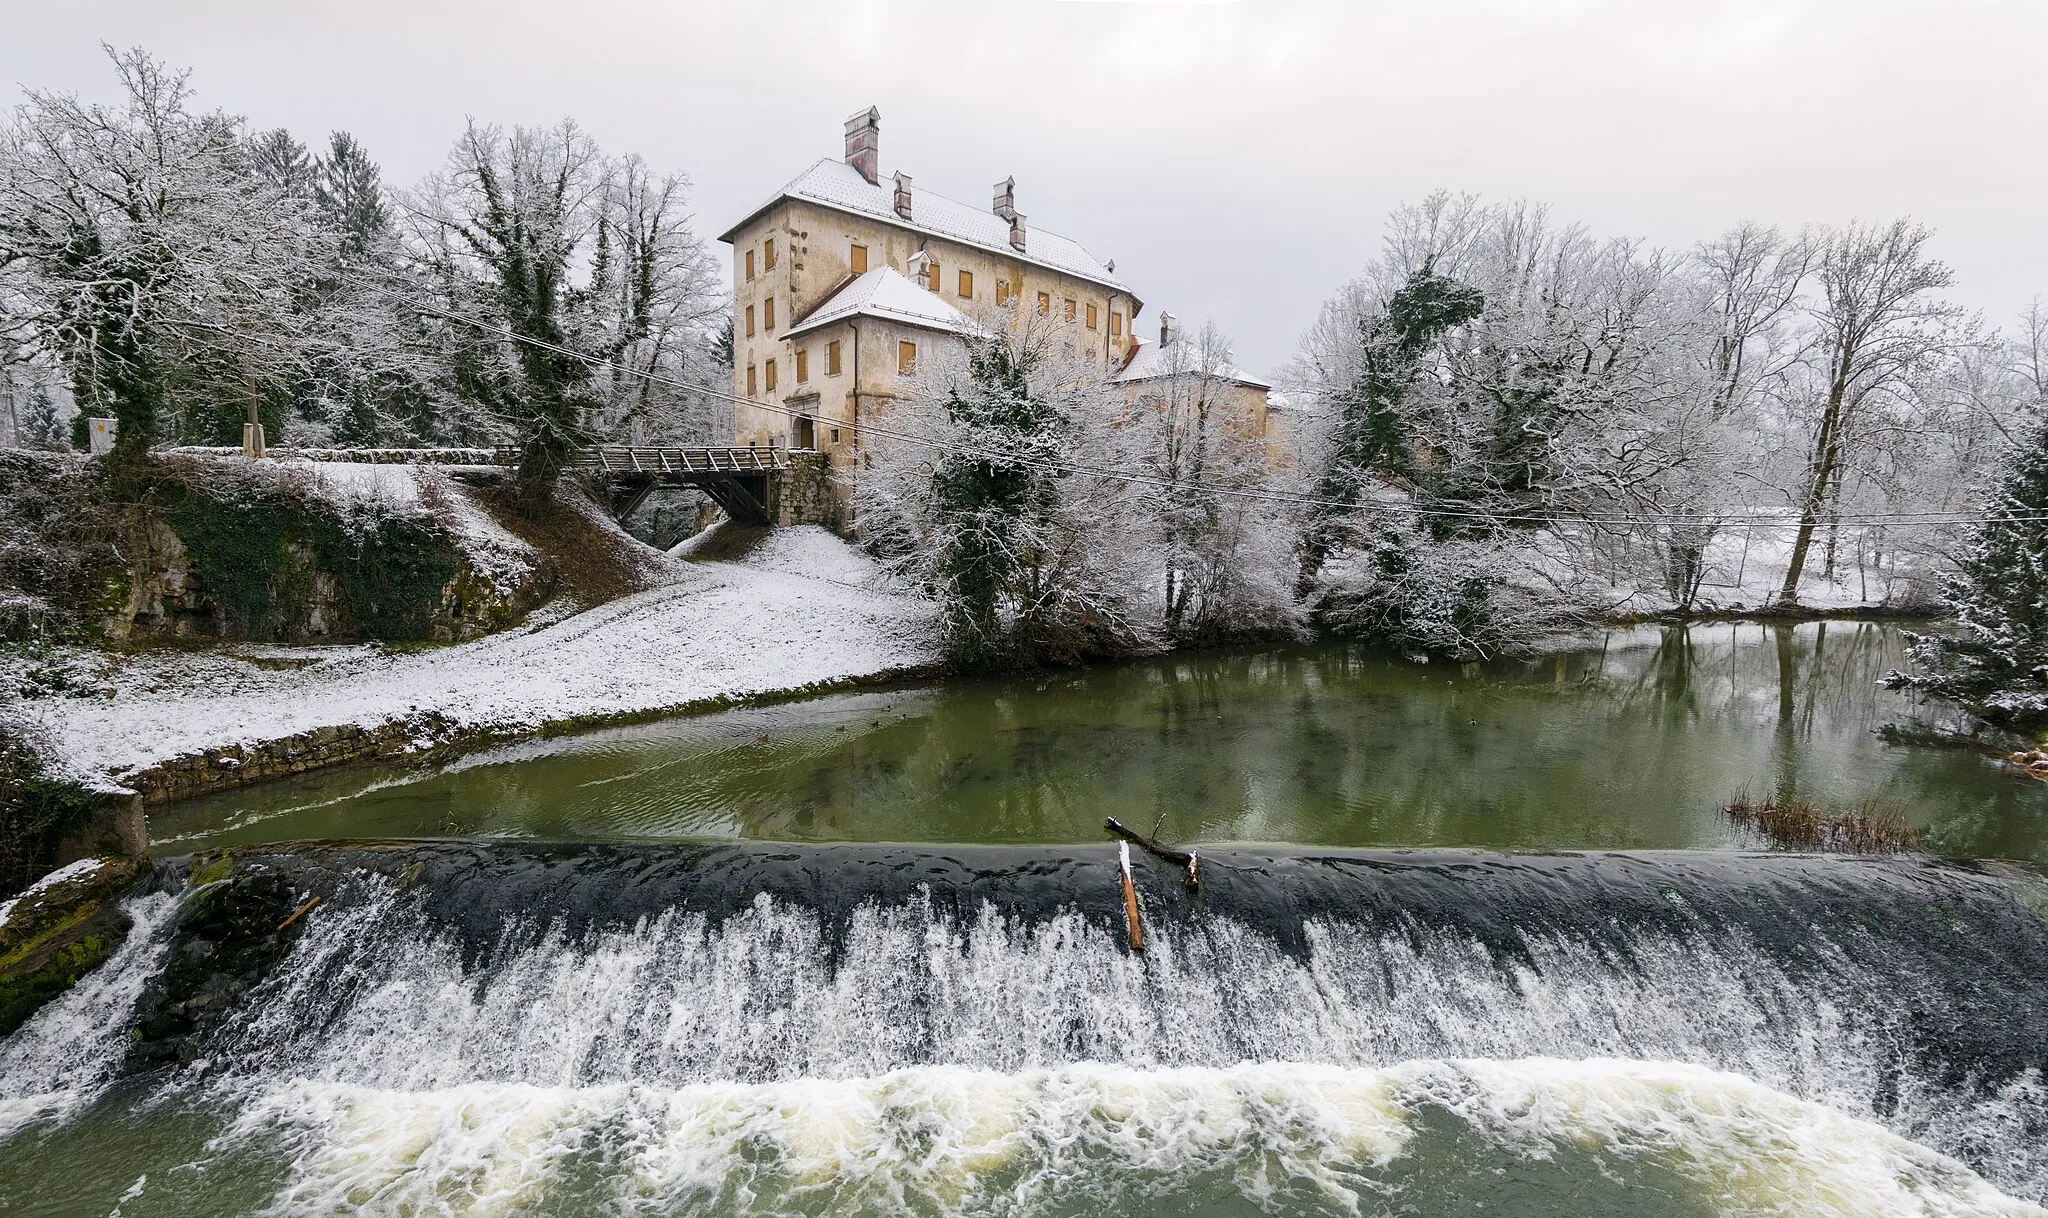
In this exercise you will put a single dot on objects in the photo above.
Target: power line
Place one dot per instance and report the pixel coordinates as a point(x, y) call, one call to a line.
point(1926, 518)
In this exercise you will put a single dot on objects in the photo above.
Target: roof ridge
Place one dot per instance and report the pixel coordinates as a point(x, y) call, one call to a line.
point(837, 185)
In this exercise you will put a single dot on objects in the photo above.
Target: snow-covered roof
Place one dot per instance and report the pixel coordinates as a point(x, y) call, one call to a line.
point(1149, 360)
point(887, 294)
point(837, 185)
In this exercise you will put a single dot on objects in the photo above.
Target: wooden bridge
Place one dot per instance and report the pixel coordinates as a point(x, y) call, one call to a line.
point(737, 479)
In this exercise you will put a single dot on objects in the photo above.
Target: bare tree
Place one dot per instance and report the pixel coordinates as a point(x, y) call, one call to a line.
point(657, 294)
point(1876, 326)
point(1223, 554)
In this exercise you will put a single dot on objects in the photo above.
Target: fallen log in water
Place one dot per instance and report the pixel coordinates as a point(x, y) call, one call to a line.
point(1184, 859)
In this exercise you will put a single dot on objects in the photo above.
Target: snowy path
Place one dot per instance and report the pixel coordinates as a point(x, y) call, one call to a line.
point(722, 629)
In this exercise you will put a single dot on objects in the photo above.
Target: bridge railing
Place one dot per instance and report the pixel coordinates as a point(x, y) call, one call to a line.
point(669, 459)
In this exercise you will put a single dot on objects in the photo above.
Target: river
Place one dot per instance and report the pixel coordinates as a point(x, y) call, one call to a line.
point(1633, 742)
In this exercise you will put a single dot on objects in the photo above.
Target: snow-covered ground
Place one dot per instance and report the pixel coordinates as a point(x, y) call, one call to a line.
point(801, 608)
point(1745, 567)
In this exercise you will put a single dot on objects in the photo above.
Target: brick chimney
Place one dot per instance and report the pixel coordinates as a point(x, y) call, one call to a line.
point(1017, 230)
point(903, 195)
point(864, 143)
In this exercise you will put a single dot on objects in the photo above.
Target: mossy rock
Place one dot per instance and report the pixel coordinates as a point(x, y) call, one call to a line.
point(24, 991)
point(57, 935)
point(274, 559)
point(230, 933)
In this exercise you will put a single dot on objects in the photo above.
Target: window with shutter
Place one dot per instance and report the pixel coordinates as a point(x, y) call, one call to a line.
point(768, 314)
point(857, 258)
point(750, 321)
point(906, 358)
point(768, 376)
point(967, 284)
point(768, 254)
point(832, 358)
point(803, 365)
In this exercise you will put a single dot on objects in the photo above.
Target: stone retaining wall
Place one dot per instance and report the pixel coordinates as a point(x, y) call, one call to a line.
point(238, 765)
point(805, 494)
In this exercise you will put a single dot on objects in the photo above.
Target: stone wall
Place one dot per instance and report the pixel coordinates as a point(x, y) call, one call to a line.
point(804, 493)
point(237, 765)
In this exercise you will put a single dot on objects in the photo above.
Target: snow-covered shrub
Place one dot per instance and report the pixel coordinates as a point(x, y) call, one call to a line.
point(1462, 598)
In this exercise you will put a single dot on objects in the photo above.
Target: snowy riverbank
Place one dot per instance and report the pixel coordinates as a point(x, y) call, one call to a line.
point(800, 609)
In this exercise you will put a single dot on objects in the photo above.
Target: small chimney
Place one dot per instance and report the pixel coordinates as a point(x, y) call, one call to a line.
point(864, 143)
point(1016, 230)
point(1169, 328)
point(903, 195)
point(920, 267)
point(1006, 198)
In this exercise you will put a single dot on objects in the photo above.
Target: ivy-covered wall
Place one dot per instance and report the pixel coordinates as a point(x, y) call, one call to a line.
point(282, 567)
point(257, 553)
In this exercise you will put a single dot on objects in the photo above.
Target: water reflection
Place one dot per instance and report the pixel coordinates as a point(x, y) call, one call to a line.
point(1632, 742)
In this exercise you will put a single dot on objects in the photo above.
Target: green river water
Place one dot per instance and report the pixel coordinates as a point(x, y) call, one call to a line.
point(1633, 741)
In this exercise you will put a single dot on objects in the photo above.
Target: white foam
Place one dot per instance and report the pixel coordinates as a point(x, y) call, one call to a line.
point(943, 1140)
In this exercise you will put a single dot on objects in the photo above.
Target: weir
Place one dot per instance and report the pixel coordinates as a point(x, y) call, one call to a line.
point(613, 1018)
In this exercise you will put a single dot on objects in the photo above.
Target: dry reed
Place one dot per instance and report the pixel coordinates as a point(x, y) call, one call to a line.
point(1798, 825)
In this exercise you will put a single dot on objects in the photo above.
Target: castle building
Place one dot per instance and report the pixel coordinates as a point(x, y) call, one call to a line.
point(845, 277)
point(1176, 363)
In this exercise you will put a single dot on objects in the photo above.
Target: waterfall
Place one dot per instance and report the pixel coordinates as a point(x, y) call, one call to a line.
point(868, 1029)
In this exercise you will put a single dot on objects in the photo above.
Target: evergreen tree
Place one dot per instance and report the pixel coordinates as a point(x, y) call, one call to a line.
point(284, 163)
point(1372, 441)
point(1996, 662)
point(721, 344)
point(42, 424)
point(989, 506)
point(349, 187)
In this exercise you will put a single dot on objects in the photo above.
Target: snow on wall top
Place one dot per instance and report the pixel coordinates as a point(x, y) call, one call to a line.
point(838, 185)
point(884, 293)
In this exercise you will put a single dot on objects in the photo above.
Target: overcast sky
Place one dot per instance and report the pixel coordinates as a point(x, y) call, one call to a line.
point(1236, 159)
